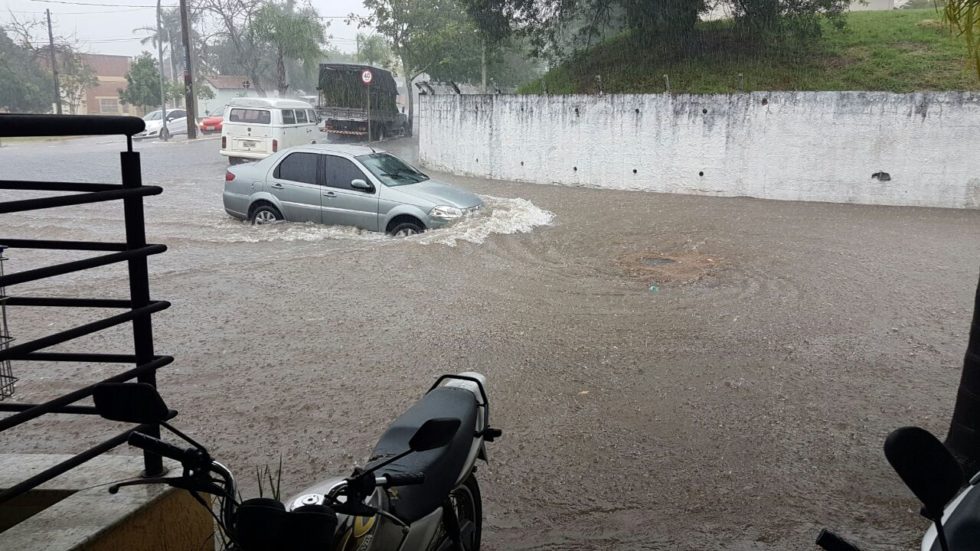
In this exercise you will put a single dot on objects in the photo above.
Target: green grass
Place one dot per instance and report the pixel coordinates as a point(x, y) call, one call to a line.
point(898, 51)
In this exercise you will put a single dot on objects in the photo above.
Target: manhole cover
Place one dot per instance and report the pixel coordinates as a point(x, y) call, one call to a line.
point(657, 261)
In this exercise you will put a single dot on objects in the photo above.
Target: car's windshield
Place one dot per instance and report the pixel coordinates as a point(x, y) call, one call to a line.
point(154, 116)
point(391, 170)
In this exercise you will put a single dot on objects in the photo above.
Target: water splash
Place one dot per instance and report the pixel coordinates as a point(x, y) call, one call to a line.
point(501, 216)
point(506, 216)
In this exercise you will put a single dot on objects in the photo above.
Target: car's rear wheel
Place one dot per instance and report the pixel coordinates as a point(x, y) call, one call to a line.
point(265, 214)
point(406, 229)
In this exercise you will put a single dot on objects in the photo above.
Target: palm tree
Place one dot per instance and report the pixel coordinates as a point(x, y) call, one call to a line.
point(963, 17)
point(292, 35)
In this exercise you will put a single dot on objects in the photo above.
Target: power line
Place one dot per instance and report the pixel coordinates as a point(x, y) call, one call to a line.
point(146, 6)
point(72, 12)
point(102, 4)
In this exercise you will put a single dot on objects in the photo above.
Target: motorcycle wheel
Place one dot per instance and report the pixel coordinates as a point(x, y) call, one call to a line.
point(465, 500)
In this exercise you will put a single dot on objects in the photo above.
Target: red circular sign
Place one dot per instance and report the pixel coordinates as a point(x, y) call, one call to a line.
point(367, 76)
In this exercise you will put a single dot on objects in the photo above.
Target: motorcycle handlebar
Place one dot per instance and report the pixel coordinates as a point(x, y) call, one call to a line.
point(402, 479)
point(157, 446)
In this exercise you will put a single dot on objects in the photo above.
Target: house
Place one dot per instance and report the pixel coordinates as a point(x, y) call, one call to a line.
point(225, 88)
point(103, 98)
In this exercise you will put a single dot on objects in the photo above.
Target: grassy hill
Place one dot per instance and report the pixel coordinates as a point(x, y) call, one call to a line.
point(899, 51)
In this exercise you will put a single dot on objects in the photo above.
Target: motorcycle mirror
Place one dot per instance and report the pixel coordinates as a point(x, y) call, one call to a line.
point(925, 466)
point(130, 403)
point(434, 433)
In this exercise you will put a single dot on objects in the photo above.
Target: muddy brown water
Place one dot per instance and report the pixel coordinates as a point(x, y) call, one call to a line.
point(742, 406)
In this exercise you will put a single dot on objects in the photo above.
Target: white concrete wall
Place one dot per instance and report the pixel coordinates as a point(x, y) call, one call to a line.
point(806, 146)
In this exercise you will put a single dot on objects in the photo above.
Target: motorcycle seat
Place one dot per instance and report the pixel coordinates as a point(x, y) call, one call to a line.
point(441, 466)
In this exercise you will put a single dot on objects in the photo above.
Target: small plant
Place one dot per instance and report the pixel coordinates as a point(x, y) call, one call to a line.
point(263, 475)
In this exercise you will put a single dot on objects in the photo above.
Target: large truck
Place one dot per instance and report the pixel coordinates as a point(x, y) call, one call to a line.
point(343, 102)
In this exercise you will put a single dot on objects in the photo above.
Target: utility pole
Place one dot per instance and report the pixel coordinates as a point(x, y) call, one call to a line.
point(191, 107)
point(164, 132)
point(54, 64)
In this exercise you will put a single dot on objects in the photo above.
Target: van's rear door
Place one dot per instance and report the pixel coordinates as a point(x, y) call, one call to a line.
point(249, 130)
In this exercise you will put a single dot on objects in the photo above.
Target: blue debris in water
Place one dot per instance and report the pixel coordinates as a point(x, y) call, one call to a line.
point(654, 289)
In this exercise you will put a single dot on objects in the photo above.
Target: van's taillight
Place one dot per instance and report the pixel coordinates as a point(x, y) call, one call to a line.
point(224, 142)
point(229, 176)
point(275, 145)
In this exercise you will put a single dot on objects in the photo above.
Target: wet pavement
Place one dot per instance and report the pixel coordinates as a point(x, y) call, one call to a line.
point(734, 397)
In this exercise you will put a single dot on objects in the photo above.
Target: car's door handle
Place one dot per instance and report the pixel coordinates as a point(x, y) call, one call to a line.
point(276, 186)
point(329, 194)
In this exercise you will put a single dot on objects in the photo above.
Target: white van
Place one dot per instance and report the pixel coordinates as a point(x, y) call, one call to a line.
point(254, 128)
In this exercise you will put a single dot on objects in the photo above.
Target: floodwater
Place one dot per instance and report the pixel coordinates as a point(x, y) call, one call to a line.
point(740, 406)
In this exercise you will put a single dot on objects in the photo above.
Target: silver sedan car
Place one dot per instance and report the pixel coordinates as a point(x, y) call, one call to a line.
point(344, 185)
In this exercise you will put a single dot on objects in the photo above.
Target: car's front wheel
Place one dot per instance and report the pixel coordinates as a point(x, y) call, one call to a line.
point(266, 214)
point(405, 229)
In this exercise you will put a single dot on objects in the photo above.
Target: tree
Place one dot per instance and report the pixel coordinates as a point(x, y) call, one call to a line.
point(172, 40)
point(24, 86)
point(234, 18)
point(142, 83)
point(373, 50)
point(963, 17)
point(787, 18)
point(423, 34)
point(75, 77)
point(291, 35)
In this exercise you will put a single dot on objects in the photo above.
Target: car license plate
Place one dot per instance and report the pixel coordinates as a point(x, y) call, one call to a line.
point(248, 144)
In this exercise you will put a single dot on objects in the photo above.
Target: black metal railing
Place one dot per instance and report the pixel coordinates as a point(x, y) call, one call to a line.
point(137, 310)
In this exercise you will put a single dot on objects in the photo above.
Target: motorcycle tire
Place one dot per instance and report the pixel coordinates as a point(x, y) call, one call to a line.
point(466, 501)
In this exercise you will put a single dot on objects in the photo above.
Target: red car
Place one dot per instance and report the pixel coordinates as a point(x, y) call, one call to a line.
point(210, 124)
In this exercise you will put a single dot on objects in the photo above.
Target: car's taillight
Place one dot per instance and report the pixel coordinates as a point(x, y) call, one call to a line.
point(275, 145)
point(224, 142)
point(229, 176)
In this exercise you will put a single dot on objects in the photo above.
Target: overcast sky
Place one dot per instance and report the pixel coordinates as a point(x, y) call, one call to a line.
point(108, 28)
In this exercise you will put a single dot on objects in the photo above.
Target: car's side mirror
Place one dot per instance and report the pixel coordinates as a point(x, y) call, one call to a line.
point(361, 185)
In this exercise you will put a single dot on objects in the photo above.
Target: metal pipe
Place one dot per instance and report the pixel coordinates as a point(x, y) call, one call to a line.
point(77, 395)
point(78, 265)
point(56, 186)
point(76, 357)
point(62, 245)
point(65, 466)
point(80, 199)
point(87, 329)
point(68, 302)
point(139, 285)
point(76, 410)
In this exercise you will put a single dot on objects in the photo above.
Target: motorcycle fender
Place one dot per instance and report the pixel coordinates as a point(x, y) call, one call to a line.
point(421, 532)
point(483, 452)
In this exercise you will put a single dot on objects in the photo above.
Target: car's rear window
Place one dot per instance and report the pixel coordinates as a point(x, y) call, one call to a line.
point(253, 116)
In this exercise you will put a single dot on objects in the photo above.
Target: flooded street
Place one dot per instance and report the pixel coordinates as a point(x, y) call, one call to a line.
point(669, 371)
